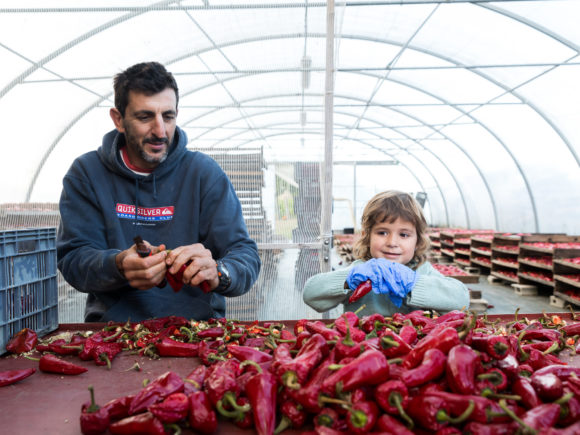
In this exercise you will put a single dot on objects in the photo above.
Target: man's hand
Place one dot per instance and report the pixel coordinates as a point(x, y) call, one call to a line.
point(143, 273)
point(202, 266)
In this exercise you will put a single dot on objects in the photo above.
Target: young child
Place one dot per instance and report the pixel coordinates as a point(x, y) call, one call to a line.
point(392, 254)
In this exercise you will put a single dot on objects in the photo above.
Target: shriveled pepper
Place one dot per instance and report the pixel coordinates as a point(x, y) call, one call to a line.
point(104, 353)
point(24, 341)
point(194, 380)
point(144, 423)
point(261, 391)
point(10, 377)
point(242, 353)
point(164, 385)
point(94, 419)
point(173, 408)
point(202, 416)
point(118, 408)
point(369, 368)
point(221, 381)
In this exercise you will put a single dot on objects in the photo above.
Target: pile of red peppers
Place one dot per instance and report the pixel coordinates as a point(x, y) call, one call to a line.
point(408, 373)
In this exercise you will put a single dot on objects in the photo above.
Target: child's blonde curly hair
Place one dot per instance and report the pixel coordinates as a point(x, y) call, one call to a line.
point(388, 206)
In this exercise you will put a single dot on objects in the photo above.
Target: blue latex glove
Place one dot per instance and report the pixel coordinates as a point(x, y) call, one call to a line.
point(387, 277)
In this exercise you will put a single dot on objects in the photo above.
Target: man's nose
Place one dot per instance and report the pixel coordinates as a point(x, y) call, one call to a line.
point(158, 128)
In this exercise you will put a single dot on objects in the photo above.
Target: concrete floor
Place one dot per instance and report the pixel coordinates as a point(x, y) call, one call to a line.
point(502, 299)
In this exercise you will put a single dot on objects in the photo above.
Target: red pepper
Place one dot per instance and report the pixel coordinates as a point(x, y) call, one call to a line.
point(370, 368)
point(145, 423)
point(443, 341)
point(523, 388)
point(362, 417)
point(308, 395)
point(293, 416)
point(391, 425)
point(571, 330)
point(261, 391)
point(509, 365)
point(346, 347)
point(194, 381)
point(484, 410)
point(89, 345)
point(63, 347)
point(202, 416)
point(281, 356)
point(170, 347)
point(166, 384)
point(329, 417)
point(462, 364)
point(541, 417)
point(295, 372)
point(156, 325)
point(94, 419)
point(562, 371)
point(541, 334)
point(173, 408)
point(548, 386)
point(215, 332)
point(207, 354)
point(408, 334)
point(104, 353)
point(432, 367)
point(49, 363)
point(319, 327)
point(10, 377)
point(475, 428)
point(392, 345)
point(118, 408)
point(495, 346)
point(524, 370)
point(361, 290)
point(368, 323)
point(242, 353)
point(417, 318)
point(24, 341)
point(349, 320)
point(393, 397)
point(433, 412)
point(221, 381)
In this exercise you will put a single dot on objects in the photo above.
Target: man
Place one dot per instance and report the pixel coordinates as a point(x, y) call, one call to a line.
point(142, 181)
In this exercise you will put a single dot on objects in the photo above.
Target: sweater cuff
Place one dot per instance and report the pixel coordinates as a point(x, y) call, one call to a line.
point(420, 295)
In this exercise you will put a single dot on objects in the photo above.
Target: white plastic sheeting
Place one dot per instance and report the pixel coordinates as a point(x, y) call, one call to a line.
point(477, 101)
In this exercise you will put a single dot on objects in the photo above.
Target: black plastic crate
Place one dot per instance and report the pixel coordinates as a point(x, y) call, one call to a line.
point(28, 282)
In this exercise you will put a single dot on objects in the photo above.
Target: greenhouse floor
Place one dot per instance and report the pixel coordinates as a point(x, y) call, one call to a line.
point(503, 299)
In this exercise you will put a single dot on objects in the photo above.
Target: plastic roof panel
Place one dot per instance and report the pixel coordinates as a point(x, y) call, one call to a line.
point(477, 100)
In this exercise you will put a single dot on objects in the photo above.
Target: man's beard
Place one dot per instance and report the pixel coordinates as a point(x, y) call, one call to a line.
point(139, 148)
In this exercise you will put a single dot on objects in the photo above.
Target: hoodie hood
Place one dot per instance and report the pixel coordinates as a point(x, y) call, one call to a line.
point(113, 141)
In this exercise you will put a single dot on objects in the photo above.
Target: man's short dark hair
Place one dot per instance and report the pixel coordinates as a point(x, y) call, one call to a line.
point(148, 78)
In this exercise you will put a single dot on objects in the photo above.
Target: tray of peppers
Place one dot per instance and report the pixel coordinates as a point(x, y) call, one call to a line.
point(409, 373)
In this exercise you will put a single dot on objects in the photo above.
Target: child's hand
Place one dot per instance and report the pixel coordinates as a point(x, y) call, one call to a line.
point(388, 278)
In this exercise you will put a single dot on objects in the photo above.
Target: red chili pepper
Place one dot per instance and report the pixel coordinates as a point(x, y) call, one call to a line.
point(496, 377)
point(475, 428)
point(443, 341)
point(10, 377)
point(63, 347)
point(104, 353)
point(173, 408)
point(318, 327)
point(417, 318)
point(156, 325)
point(118, 408)
point(393, 397)
point(309, 394)
point(346, 347)
point(145, 423)
point(571, 330)
point(215, 332)
point(361, 290)
point(261, 391)
point(391, 425)
point(202, 416)
point(89, 345)
point(432, 367)
point(368, 323)
point(408, 334)
point(349, 320)
point(523, 388)
point(94, 419)
point(542, 416)
point(242, 353)
point(301, 339)
point(221, 380)
point(450, 316)
point(462, 364)
point(328, 417)
point(170, 347)
point(24, 341)
point(484, 410)
point(293, 416)
point(541, 334)
point(362, 417)
point(562, 371)
point(433, 412)
point(569, 409)
point(524, 370)
point(164, 385)
point(295, 372)
point(49, 363)
point(370, 368)
point(194, 381)
point(548, 386)
point(495, 346)
point(392, 345)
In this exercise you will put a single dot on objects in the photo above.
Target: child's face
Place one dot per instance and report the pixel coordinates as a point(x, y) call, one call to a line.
point(394, 241)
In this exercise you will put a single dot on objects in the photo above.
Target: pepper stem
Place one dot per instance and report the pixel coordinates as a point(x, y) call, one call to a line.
point(290, 380)
point(395, 399)
point(554, 347)
point(503, 405)
point(284, 424)
point(442, 416)
point(347, 340)
point(93, 407)
point(230, 398)
point(251, 363)
point(229, 414)
point(175, 427)
point(358, 418)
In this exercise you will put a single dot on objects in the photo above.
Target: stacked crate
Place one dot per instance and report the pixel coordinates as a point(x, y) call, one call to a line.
point(567, 275)
point(505, 249)
point(480, 252)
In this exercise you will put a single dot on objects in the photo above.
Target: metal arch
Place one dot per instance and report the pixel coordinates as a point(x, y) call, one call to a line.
point(366, 143)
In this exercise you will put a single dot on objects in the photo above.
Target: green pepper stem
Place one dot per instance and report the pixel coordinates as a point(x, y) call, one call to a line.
point(93, 407)
point(503, 405)
point(229, 414)
point(251, 363)
point(284, 424)
point(395, 399)
point(175, 427)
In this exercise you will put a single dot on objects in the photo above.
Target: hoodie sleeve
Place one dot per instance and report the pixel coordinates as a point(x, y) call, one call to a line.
point(325, 291)
point(223, 231)
point(84, 258)
point(437, 292)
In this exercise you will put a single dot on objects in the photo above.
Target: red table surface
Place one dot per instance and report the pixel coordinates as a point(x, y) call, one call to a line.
point(47, 403)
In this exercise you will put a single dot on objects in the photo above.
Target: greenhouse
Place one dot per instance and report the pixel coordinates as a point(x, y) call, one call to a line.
point(311, 108)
